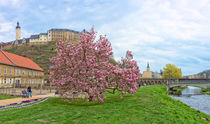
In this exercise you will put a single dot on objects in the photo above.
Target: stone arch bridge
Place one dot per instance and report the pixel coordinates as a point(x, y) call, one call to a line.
point(205, 83)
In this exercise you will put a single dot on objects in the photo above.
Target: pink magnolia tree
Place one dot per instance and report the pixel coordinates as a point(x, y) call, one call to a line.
point(84, 67)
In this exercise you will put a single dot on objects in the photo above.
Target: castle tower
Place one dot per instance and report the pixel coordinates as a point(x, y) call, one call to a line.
point(148, 68)
point(18, 33)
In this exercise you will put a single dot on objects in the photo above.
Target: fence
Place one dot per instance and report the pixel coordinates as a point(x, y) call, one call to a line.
point(9, 91)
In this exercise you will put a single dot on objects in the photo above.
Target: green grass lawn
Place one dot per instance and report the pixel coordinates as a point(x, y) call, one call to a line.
point(6, 97)
point(149, 105)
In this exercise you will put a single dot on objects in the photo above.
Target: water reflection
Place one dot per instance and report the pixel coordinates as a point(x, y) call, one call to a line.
point(191, 91)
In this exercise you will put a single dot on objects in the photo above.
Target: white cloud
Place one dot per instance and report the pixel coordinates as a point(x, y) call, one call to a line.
point(41, 7)
point(8, 2)
point(6, 27)
point(68, 10)
point(159, 31)
point(11, 3)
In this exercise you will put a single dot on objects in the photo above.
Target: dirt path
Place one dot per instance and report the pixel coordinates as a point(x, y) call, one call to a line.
point(17, 100)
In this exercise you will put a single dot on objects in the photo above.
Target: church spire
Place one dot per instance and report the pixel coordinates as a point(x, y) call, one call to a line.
point(147, 64)
point(148, 68)
point(18, 26)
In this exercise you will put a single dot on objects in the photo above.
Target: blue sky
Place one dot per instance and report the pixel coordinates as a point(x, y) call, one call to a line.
point(156, 31)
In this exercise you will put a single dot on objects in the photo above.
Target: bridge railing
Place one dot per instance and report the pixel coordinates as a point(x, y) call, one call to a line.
point(153, 81)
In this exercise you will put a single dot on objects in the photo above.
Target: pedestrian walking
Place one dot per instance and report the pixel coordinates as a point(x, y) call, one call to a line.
point(29, 91)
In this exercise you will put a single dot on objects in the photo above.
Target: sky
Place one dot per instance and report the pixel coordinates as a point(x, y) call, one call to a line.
point(156, 31)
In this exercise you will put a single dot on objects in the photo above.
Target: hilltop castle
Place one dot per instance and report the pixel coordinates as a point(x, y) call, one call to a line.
point(42, 38)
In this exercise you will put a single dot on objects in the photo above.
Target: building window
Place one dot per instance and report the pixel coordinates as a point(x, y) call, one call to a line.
point(38, 73)
point(5, 70)
point(28, 73)
point(5, 81)
point(10, 70)
point(17, 71)
point(35, 73)
point(23, 72)
point(10, 81)
point(32, 81)
point(32, 73)
point(23, 81)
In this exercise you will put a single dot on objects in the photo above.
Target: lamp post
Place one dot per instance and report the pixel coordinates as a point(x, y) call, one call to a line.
point(40, 87)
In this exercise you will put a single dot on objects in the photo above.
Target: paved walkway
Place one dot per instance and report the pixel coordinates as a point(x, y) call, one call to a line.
point(17, 100)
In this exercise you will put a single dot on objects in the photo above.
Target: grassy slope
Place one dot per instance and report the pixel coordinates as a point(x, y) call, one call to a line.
point(38, 53)
point(149, 105)
point(6, 97)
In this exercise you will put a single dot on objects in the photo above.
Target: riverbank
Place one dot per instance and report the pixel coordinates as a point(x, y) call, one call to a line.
point(198, 102)
point(207, 93)
point(204, 91)
point(176, 91)
point(150, 104)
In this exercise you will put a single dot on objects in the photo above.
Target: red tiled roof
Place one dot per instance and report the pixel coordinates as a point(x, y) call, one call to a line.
point(16, 60)
point(4, 59)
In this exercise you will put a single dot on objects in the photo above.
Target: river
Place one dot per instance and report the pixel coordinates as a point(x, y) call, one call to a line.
point(198, 102)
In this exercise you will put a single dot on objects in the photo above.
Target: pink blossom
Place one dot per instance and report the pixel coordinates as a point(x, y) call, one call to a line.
point(84, 67)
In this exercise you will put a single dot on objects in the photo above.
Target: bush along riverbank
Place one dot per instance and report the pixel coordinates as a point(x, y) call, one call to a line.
point(176, 90)
point(205, 91)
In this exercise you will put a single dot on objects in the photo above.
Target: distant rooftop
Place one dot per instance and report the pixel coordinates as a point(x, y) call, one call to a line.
point(21, 40)
point(34, 36)
point(84, 31)
point(56, 29)
point(43, 34)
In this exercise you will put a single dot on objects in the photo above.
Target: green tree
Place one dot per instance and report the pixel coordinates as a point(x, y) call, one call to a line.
point(172, 72)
